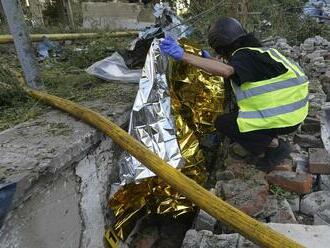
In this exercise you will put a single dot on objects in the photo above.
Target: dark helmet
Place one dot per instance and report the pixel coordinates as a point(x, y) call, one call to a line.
point(224, 32)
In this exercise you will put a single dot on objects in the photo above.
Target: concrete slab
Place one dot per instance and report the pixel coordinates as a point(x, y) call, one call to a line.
point(308, 236)
point(96, 172)
point(50, 218)
point(63, 169)
point(50, 144)
point(116, 15)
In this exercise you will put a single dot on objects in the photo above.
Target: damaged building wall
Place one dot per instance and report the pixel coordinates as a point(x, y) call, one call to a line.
point(116, 15)
point(63, 169)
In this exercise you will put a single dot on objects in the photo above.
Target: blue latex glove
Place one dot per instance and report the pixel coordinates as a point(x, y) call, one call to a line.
point(169, 47)
point(206, 54)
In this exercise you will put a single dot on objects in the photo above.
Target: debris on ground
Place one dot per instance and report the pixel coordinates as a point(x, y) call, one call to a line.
point(45, 47)
point(126, 64)
point(297, 191)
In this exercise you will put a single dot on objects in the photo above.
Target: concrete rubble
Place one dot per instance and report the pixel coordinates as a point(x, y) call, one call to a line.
point(289, 195)
point(308, 236)
point(63, 169)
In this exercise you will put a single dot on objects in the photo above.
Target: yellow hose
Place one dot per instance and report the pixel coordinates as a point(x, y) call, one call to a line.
point(5, 39)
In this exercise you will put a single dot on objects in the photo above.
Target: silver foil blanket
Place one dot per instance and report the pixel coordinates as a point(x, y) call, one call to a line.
point(151, 120)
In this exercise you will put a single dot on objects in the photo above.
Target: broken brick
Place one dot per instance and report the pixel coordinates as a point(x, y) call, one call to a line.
point(249, 196)
point(308, 141)
point(300, 183)
point(241, 169)
point(311, 128)
point(319, 161)
point(238, 168)
point(285, 165)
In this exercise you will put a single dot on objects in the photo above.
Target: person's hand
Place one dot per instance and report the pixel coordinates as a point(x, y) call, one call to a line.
point(206, 54)
point(170, 48)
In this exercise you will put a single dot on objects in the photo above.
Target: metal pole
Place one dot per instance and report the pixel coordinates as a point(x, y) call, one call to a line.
point(70, 13)
point(18, 28)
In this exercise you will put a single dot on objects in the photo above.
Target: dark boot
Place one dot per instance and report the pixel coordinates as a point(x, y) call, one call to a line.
point(274, 156)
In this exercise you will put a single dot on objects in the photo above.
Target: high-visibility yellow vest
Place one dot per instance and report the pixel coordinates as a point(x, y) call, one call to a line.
point(278, 102)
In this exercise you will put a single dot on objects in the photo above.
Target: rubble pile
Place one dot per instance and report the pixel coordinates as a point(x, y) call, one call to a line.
point(295, 192)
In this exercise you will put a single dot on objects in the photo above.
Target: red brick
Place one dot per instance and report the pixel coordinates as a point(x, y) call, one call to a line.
point(238, 168)
point(241, 169)
point(300, 183)
point(286, 165)
point(319, 161)
point(249, 196)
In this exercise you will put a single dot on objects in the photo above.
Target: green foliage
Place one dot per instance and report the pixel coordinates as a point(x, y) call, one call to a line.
point(53, 12)
point(10, 92)
point(279, 192)
point(93, 51)
point(285, 17)
point(64, 77)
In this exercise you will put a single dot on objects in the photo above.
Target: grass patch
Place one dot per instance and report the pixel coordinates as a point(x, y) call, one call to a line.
point(59, 129)
point(64, 77)
point(279, 192)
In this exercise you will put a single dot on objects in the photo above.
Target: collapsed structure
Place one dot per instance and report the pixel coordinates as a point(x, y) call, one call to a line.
point(185, 93)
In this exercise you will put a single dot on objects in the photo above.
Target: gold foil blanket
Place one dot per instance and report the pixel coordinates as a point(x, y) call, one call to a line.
point(176, 105)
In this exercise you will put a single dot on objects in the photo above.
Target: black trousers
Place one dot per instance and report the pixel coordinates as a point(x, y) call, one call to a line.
point(255, 142)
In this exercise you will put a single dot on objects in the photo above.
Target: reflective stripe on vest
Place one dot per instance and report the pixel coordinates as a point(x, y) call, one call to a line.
point(274, 103)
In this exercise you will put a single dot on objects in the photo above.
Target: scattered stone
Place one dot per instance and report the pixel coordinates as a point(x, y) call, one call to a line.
point(204, 221)
point(300, 183)
point(322, 217)
point(294, 201)
point(295, 148)
point(300, 162)
point(226, 175)
point(219, 241)
point(270, 209)
point(313, 203)
point(311, 120)
point(192, 239)
point(308, 141)
point(238, 150)
point(284, 213)
point(319, 161)
point(248, 195)
point(311, 128)
point(308, 45)
point(325, 79)
point(325, 182)
point(314, 111)
point(206, 239)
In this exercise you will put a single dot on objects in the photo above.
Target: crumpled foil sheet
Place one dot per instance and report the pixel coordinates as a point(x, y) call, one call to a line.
point(200, 95)
point(151, 120)
point(179, 113)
